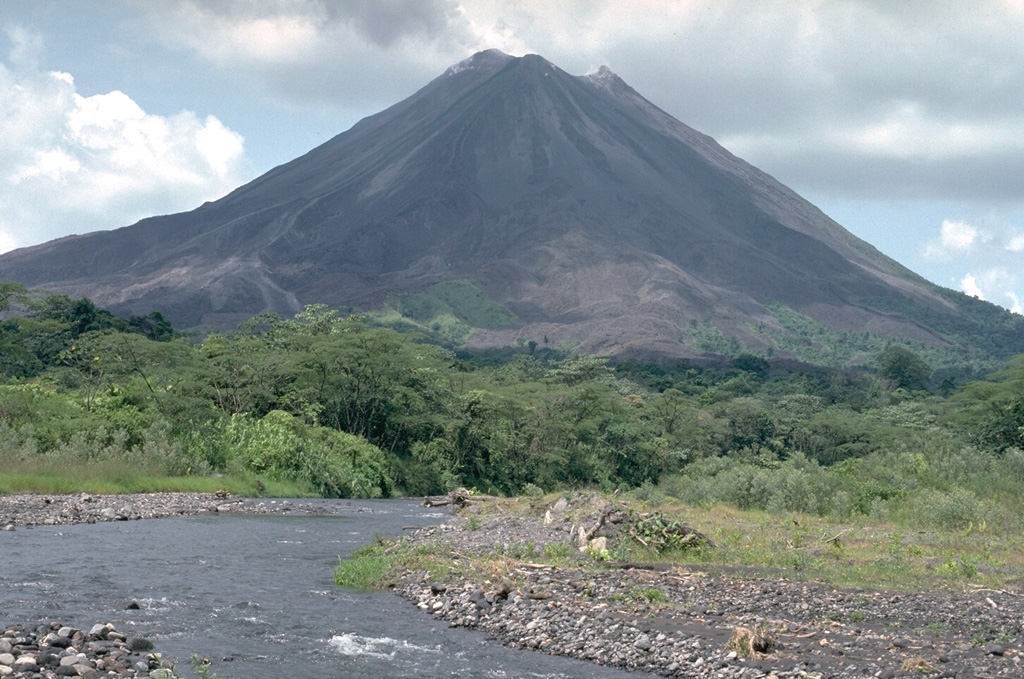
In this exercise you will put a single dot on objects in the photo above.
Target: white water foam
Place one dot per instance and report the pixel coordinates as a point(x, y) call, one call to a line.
point(161, 604)
point(375, 647)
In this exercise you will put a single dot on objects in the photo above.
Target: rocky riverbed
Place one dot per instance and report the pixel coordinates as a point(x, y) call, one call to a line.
point(56, 650)
point(686, 622)
point(51, 510)
point(671, 621)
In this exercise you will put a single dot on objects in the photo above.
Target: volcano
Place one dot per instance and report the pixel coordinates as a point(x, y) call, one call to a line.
point(569, 206)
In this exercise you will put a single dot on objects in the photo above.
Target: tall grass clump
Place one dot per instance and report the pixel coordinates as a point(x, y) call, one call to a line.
point(368, 567)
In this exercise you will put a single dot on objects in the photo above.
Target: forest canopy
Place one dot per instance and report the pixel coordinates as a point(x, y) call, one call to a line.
point(341, 407)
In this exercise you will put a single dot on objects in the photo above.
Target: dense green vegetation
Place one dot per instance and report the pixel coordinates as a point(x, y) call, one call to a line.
point(340, 406)
point(447, 311)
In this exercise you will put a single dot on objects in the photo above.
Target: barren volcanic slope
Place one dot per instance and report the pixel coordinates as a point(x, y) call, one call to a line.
point(591, 215)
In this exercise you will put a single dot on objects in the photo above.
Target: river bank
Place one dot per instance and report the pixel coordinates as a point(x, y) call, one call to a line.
point(670, 620)
point(685, 621)
point(52, 510)
point(58, 650)
point(252, 593)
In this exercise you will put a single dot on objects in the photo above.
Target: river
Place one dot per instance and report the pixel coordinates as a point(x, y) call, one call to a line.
point(254, 594)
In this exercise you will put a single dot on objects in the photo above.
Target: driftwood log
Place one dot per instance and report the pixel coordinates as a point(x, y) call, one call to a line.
point(458, 498)
point(584, 536)
point(601, 520)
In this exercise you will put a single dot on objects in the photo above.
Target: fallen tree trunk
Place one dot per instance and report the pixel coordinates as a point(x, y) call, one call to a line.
point(458, 498)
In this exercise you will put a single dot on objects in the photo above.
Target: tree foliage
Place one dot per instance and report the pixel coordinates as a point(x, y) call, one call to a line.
point(346, 407)
point(904, 368)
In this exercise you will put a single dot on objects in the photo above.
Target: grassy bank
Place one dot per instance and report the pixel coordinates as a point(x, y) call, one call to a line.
point(860, 553)
point(109, 478)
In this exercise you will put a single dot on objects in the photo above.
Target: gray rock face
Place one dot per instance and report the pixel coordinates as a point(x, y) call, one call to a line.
point(573, 201)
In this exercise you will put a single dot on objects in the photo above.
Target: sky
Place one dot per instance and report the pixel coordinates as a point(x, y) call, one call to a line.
point(902, 120)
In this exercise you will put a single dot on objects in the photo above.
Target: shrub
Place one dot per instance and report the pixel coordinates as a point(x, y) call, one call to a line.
point(796, 485)
point(281, 447)
point(953, 510)
point(649, 494)
point(533, 491)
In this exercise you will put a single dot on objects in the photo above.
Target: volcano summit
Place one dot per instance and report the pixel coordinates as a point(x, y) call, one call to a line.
point(569, 207)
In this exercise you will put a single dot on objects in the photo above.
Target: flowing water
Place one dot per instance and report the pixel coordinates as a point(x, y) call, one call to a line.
point(254, 594)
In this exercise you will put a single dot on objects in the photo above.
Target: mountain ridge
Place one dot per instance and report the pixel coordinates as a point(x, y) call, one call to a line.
point(591, 214)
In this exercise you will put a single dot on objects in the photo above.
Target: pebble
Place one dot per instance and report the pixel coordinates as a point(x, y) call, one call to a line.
point(56, 650)
point(581, 612)
point(677, 622)
point(54, 510)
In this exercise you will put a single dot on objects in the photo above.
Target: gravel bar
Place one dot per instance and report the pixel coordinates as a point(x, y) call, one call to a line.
point(674, 622)
point(55, 650)
point(678, 621)
point(52, 510)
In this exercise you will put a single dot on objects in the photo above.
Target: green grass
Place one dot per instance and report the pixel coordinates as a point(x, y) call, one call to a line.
point(447, 311)
point(377, 564)
point(866, 553)
point(369, 567)
point(652, 595)
point(111, 478)
point(861, 553)
point(471, 305)
point(643, 595)
point(558, 553)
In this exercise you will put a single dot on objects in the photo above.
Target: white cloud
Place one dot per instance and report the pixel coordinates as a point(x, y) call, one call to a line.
point(26, 47)
point(995, 284)
point(221, 147)
point(984, 259)
point(225, 35)
point(299, 31)
point(954, 238)
point(1015, 305)
point(957, 235)
point(345, 55)
point(969, 285)
point(73, 163)
point(52, 164)
point(7, 242)
point(862, 97)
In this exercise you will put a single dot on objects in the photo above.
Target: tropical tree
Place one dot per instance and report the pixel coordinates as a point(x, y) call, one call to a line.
point(904, 368)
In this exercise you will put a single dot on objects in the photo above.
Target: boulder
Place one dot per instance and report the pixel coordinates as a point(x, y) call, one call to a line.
point(140, 645)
